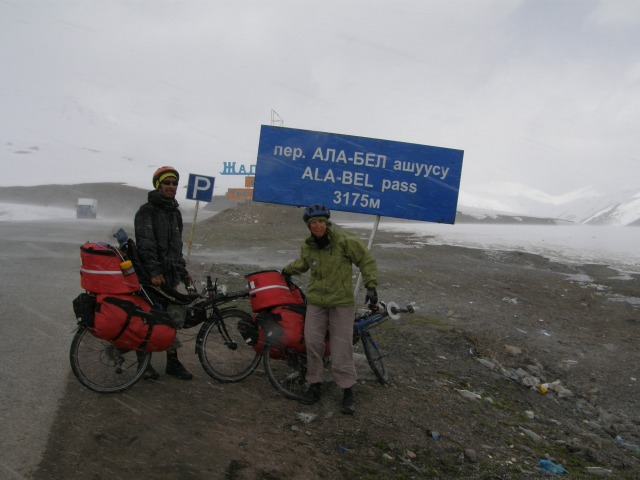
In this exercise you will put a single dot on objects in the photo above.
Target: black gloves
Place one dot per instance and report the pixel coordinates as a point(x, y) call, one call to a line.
point(287, 278)
point(372, 297)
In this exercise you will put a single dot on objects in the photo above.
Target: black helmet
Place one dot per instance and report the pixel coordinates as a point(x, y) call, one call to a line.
point(315, 211)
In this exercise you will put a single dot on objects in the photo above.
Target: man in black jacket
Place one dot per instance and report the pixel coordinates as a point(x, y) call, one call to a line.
point(158, 226)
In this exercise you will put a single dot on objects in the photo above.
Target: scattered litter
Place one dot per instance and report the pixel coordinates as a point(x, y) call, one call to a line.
point(513, 350)
point(549, 466)
point(407, 462)
point(469, 395)
point(510, 300)
point(490, 365)
point(629, 446)
point(556, 387)
point(599, 471)
point(525, 378)
point(306, 417)
point(532, 435)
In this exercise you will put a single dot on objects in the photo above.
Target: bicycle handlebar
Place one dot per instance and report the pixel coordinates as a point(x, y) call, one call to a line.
point(409, 309)
point(389, 309)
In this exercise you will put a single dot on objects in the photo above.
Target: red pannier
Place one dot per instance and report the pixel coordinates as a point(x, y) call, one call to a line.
point(284, 326)
point(128, 322)
point(101, 272)
point(269, 288)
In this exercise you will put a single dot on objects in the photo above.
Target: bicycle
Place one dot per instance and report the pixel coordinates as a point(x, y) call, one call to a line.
point(286, 367)
point(103, 367)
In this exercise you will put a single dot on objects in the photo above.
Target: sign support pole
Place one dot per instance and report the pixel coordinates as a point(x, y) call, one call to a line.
point(193, 226)
point(373, 234)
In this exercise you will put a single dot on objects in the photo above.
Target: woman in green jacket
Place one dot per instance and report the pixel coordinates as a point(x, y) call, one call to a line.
point(329, 253)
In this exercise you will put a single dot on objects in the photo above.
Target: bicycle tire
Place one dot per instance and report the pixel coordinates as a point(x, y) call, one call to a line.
point(374, 357)
point(103, 367)
point(222, 350)
point(287, 371)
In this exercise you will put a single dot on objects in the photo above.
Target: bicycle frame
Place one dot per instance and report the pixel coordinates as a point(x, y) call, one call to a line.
point(383, 312)
point(370, 320)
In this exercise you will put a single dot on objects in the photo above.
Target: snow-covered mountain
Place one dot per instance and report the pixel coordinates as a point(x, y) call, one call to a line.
point(624, 213)
point(93, 159)
point(585, 205)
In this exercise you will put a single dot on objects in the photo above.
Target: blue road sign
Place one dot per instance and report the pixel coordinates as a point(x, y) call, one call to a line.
point(357, 174)
point(200, 188)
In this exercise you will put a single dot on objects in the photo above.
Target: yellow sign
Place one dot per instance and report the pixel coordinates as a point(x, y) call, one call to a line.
point(249, 181)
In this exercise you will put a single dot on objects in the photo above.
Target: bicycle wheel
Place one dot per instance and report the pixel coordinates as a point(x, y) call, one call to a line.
point(103, 367)
point(374, 357)
point(222, 351)
point(286, 370)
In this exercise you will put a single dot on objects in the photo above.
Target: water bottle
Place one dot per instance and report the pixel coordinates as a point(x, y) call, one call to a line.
point(127, 268)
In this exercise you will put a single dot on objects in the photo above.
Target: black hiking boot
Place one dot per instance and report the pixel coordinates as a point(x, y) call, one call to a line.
point(311, 394)
point(150, 373)
point(348, 403)
point(176, 369)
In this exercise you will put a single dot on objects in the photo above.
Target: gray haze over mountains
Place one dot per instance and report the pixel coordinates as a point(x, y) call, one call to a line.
point(581, 207)
point(585, 205)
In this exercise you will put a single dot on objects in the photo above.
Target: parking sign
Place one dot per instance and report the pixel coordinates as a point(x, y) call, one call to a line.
point(200, 188)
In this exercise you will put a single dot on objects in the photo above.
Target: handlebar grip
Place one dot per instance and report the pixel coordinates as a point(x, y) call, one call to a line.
point(395, 310)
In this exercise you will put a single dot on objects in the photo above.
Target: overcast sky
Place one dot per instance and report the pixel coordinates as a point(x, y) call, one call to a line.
point(540, 93)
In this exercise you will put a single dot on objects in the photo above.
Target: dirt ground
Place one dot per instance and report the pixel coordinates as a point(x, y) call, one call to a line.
point(462, 402)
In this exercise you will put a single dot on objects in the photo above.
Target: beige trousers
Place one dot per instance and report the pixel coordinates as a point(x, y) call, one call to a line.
point(339, 321)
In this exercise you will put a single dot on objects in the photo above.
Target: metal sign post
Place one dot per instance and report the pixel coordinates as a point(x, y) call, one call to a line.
point(373, 234)
point(198, 188)
point(193, 227)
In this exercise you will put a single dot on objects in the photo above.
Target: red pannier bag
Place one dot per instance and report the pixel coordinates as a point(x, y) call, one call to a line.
point(284, 326)
point(269, 289)
point(129, 322)
point(100, 271)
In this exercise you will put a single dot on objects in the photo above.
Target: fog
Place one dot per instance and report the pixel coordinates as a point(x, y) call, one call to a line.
point(613, 246)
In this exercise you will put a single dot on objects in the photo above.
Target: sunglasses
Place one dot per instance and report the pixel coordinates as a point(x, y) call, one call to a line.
point(169, 182)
